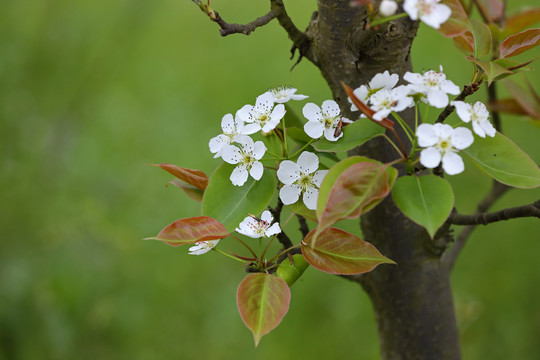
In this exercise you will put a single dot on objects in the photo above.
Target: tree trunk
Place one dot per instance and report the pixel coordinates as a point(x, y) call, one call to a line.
point(413, 300)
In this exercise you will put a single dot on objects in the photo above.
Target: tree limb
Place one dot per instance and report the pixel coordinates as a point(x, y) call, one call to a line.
point(467, 90)
point(530, 210)
point(304, 229)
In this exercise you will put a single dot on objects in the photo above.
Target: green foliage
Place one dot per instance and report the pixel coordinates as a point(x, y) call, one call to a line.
point(354, 134)
point(290, 272)
point(230, 204)
point(427, 200)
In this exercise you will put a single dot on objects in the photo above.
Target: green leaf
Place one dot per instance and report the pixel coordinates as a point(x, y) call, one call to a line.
point(193, 177)
point(426, 200)
point(493, 70)
point(482, 38)
point(357, 189)
point(339, 252)
point(518, 43)
point(262, 300)
point(298, 135)
point(230, 204)
point(300, 208)
point(354, 135)
point(292, 272)
point(503, 160)
point(191, 230)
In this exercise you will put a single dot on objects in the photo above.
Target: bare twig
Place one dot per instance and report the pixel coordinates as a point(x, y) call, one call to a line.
point(282, 237)
point(304, 229)
point(467, 90)
point(450, 256)
point(530, 210)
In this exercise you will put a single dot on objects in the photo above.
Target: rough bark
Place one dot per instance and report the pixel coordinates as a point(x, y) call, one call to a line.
point(413, 300)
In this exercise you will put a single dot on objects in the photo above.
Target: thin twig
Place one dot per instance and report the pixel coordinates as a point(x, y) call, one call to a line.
point(529, 210)
point(304, 229)
point(467, 90)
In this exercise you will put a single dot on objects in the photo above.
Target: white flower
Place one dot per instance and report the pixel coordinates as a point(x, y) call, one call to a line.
point(246, 158)
point(385, 101)
point(282, 94)
point(323, 120)
point(202, 247)
point(434, 85)
point(301, 177)
point(263, 116)
point(388, 7)
point(380, 81)
point(442, 142)
point(429, 11)
point(256, 228)
point(231, 129)
point(476, 113)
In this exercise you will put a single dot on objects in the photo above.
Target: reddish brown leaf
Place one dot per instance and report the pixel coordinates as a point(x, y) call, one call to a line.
point(510, 106)
point(193, 177)
point(465, 42)
point(339, 252)
point(386, 123)
point(527, 101)
point(518, 43)
point(262, 300)
point(191, 230)
point(191, 191)
point(491, 10)
point(522, 20)
point(458, 22)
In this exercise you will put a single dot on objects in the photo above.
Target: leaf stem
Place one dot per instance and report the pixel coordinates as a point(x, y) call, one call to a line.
point(228, 255)
point(283, 252)
point(302, 148)
point(387, 19)
point(243, 243)
point(404, 125)
point(393, 144)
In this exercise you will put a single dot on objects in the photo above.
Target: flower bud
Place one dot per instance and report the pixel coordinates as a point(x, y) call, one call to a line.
point(388, 7)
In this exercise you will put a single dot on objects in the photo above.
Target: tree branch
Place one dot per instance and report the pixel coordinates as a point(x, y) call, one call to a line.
point(530, 210)
point(467, 90)
point(228, 29)
point(282, 237)
point(450, 256)
point(304, 229)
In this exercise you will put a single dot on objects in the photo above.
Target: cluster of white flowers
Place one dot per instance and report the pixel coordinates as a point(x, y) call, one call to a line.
point(431, 12)
point(257, 228)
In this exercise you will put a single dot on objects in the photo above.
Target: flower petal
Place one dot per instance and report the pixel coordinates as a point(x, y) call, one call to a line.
point(308, 162)
point(430, 157)
point(310, 198)
point(258, 150)
point(452, 163)
point(267, 216)
point(488, 127)
point(256, 170)
point(314, 129)
point(330, 108)
point(231, 154)
point(227, 124)
point(437, 98)
point(478, 129)
point(312, 112)
point(264, 103)
point(250, 129)
point(426, 135)
point(289, 194)
point(244, 113)
point(288, 172)
point(278, 112)
point(462, 138)
point(273, 230)
point(319, 176)
point(463, 110)
point(299, 97)
point(329, 134)
point(216, 143)
point(239, 175)
point(247, 143)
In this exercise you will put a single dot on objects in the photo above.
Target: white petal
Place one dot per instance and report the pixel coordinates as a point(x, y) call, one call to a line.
point(443, 131)
point(330, 108)
point(319, 176)
point(243, 113)
point(329, 134)
point(288, 172)
point(278, 112)
point(216, 143)
point(478, 129)
point(312, 112)
point(449, 87)
point(250, 129)
point(247, 226)
point(289, 194)
point(308, 162)
point(438, 15)
point(270, 125)
point(381, 114)
point(273, 230)
point(246, 142)
point(231, 154)
point(463, 110)
point(384, 80)
point(256, 170)
point(480, 110)
point(310, 198)
point(227, 124)
point(258, 150)
point(264, 103)
point(437, 98)
point(462, 138)
point(314, 129)
point(267, 216)
point(452, 163)
point(239, 175)
point(410, 7)
point(413, 78)
point(430, 157)
point(488, 128)
point(299, 97)
point(426, 135)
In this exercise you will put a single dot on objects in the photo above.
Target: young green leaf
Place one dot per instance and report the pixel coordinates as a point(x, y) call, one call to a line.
point(426, 200)
point(191, 230)
point(482, 38)
point(300, 208)
point(503, 160)
point(518, 43)
point(292, 272)
point(193, 177)
point(262, 300)
point(230, 204)
point(354, 135)
point(339, 252)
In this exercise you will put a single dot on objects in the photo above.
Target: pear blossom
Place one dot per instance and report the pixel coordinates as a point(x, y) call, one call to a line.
point(385, 101)
point(263, 116)
point(282, 94)
point(388, 7)
point(232, 127)
point(478, 115)
point(323, 120)
point(247, 159)
point(434, 85)
point(256, 228)
point(380, 81)
point(442, 143)
point(299, 178)
point(202, 247)
point(429, 11)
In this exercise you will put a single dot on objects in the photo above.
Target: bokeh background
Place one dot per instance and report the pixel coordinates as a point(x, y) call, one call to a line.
point(90, 92)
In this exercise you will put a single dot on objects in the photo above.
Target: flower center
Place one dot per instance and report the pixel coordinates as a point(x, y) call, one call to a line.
point(424, 7)
point(444, 146)
point(305, 182)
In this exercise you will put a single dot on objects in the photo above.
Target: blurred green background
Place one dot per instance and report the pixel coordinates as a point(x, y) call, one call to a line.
point(90, 92)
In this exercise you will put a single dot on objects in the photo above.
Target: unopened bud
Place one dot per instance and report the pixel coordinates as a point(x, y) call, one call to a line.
point(388, 7)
